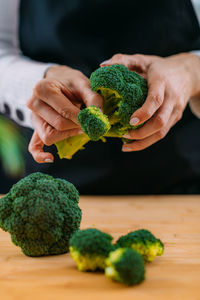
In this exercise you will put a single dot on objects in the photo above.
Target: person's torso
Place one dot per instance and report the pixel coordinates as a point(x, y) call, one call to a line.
point(83, 33)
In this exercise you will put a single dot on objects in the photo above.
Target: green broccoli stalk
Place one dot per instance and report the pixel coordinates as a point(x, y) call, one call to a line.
point(89, 249)
point(144, 242)
point(68, 147)
point(123, 92)
point(41, 214)
point(126, 266)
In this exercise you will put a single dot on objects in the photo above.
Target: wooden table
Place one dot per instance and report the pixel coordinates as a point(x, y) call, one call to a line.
point(175, 275)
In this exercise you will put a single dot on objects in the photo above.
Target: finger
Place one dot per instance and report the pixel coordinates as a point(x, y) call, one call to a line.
point(145, 143)
point(50, 92)
point(51, 116)
point(160, 120)
point(154, 100)
point(137, 62)
point(36, 150)
point(50, 135)
point(87, 95)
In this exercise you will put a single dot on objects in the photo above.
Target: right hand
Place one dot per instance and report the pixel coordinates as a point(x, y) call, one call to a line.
point(55, 105)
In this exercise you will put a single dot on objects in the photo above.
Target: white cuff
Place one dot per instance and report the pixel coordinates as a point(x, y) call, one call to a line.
point(16, 88)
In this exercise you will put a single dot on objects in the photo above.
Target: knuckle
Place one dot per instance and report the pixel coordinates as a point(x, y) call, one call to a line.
point(45, 86)
point(160, 121)
point(117, 56)
point(147, 115)
point(48, 136)
point(175, 94)
point(29, 103)
point(35, 104)
point(38, 87)
point(59, 123)
point(161, 134)
point(157, 99)
point(30, 147)
point(179, 108)
point(138, 56)
point(66, 113)
point(178, 117)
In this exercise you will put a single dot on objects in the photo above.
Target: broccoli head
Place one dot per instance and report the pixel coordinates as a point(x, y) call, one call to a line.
point(144, 242)
point(123, 92)
point(41, 214)
point(125, 265)
point(93, 122)
point(89, 249)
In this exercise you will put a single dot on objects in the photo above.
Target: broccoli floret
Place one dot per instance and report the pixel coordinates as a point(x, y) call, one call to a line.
point(41, 214)
point(144, 242)
point(89, 248)
point(93, 122)
point(123, 92)
point(126, 266)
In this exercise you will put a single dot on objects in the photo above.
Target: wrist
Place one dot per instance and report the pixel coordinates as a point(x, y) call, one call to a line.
point(191, 64)
point(54, 71)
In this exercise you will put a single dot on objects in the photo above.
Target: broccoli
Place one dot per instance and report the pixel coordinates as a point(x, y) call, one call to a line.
point(89, 248)
point(123, 92)
point(93, 122)
point(125, 265)
point(68, 147)
point(41, 214)
point(144, 242)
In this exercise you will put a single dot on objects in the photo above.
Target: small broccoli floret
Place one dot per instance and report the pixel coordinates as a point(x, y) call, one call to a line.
point(144, 242)
point(41, 214)
point(126, 266)
point(93, 122)
point(89, 248)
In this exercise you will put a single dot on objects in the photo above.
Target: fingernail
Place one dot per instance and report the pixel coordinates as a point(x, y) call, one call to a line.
point(126, 149)
point(48, 160)
point(104, 62)
point(134, 121)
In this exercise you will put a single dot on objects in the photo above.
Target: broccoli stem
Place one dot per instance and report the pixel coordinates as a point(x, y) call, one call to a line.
point(68, 147)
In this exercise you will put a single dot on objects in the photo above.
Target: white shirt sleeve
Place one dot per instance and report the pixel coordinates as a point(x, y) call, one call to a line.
point(18, 74)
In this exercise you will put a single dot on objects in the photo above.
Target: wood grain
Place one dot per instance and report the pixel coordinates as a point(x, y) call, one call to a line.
point(175, 275)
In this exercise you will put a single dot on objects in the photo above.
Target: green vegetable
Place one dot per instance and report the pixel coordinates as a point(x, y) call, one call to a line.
point(12, 148)
point(126, 266)
point(41, 214)
point(68, 147)
point(93, 122)
point(144, 242)
point(123, 92)
point(89, 248)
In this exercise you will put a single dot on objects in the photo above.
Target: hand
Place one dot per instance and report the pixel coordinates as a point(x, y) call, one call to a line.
point(172, 81)
point(55, 104)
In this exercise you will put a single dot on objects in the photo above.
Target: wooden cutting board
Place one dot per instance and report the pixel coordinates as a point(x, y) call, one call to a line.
point(175, 275)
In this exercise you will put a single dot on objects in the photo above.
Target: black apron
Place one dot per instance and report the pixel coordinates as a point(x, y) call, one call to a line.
point(83, 33)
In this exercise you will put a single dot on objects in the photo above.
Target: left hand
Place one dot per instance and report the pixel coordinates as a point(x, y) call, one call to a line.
point(172, 81)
